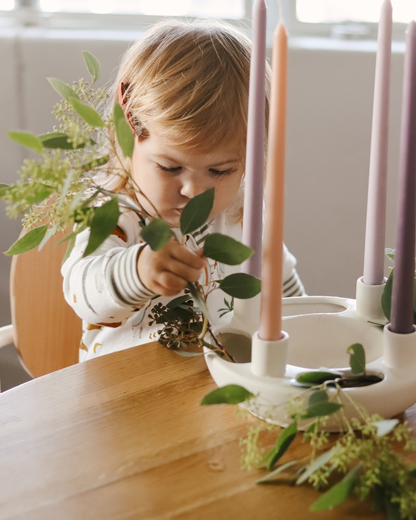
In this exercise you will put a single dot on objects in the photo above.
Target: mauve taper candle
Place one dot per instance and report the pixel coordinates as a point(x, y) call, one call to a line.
point(404, 268)
point(377, 182)
point(253, 192)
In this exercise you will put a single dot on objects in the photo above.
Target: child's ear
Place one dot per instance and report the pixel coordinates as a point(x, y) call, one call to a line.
point(122, 101)
point(121, 92)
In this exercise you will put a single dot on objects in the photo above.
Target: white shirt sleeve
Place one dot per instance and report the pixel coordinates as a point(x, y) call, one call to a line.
point(104, 287)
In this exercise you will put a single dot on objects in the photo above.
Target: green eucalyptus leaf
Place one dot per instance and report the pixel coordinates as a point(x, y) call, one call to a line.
point(199, 300)
point(320, 396)
point(312, 427)
point(412, 472)
point(390, 253)
point(188, 354)
point(178, 301)
point(338, 493)
point(357, 358)
point(392, 509)
point(284, 440)
point(386, 296)
point(196, 212)
point(4, 190)
point(28, 241)
point(321, 410)
point(88, 114)
point(378, 499)
point(316, 378)
point(95, 163)
point(72, 235)
point(124, 132)
point(386, 426)
point(280, 469)
point(316, 464)
point(175, 314)
point(157, 234)
point(59, 140)
point(230, 394)
point(50, 232)
point(240, 285)
point(40, 192)
point(34, 192)
point(226, 250)
point(103, 224)
point(66, 186)
point(27, 139)
point(63, 89)
point(93, 65)
point(69, 249)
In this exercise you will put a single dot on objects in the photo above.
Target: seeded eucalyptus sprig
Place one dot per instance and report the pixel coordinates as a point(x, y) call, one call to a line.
point(60, 191)
point(364, 453)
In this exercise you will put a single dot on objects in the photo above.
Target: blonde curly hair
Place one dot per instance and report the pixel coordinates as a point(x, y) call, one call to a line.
point(190, 80)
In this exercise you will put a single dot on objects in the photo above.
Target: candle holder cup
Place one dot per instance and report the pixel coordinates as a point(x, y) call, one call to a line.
point(368, 298)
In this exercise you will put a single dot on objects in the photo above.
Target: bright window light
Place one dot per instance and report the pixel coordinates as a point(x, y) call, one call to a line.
point(336, 11)
point(203, 8)
point(6, 5)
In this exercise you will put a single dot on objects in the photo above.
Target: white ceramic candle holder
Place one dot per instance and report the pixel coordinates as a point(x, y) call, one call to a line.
point(320, 330)
point(369, 301)
point(268, 358)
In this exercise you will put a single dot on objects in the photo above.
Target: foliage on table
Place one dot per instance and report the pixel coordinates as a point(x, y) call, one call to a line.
point(363, 454)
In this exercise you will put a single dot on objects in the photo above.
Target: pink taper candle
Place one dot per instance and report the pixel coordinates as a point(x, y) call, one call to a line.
point(377, 184)
point(253, 193)
point(404, 264)
point(272, 269)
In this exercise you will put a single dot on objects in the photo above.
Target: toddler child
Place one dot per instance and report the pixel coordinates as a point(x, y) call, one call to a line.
point(184, 90)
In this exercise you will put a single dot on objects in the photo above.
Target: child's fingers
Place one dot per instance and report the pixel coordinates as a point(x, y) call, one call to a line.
point(169, 284)
point(182, 270)
point(164, 274)
point(184, 255)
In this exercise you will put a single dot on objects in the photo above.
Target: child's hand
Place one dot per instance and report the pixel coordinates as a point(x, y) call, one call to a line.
point(168, 271)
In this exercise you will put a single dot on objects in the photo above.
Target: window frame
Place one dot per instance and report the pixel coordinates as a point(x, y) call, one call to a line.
point(28, 14)
point(343, 30)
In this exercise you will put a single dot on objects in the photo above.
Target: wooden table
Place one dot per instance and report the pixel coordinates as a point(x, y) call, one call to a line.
point(123, 437)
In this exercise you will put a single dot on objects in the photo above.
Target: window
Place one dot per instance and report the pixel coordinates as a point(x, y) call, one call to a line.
point(214, 8)
point(330, 11)
point(116, 14)
point(6, 5)
point(349, 19)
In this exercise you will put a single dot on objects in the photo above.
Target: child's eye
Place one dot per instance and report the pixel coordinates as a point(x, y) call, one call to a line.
point(167, 169)
point(221, 172)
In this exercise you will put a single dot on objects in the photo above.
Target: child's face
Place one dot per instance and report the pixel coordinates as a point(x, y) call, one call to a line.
point(171, 175)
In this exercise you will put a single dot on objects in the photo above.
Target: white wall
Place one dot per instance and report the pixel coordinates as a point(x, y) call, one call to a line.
point(328, 139)
point(329, 131)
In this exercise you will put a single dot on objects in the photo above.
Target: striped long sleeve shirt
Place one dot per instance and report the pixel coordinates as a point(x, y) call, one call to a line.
point(104, 288)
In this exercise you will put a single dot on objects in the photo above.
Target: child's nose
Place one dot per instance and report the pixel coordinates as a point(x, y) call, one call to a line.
point(191, 188)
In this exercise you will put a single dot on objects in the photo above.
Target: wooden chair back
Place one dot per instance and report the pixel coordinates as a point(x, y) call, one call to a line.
point(46, 330)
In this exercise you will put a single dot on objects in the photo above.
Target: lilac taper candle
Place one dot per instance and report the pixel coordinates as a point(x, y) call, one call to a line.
point(404, 270)
point(253, 192)
point(377, 184)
